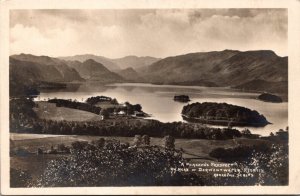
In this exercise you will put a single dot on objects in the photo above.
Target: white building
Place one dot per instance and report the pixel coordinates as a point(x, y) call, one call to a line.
point(121, 113)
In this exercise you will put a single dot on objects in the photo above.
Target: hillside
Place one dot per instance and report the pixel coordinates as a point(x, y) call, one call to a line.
point(188, 67)
point(108, 63)
point(134, 61)
point(249, 65)
point(131, 75)
point(262, 85)
point(41, 68)
point(94, 71)
point(219, 68)
point(30, 70)
point(28, 73)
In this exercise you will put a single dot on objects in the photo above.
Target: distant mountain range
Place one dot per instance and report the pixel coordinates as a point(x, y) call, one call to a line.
point(27, 69)
point(91, 70)
point(222, 68)
point(260, 70)
point(131, 75)
point(115, 64)
point(135, 62)
point(108, 63)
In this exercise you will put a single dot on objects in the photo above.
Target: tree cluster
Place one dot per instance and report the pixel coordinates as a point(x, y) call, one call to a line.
point(223, 112)
point(99, 99)
point(123, 128)
point(237, 153)
point(20, 89)
point(22, 107)
point(131, 108)
point(271, 161)
point(113, 164)
point(23, 120)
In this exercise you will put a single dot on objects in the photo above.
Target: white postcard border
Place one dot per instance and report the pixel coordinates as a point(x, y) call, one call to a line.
point(293, 7)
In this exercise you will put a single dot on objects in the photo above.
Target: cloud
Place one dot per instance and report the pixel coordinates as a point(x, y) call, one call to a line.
point(160, 33)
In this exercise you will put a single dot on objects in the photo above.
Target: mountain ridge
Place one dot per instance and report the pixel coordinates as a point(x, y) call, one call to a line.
point(227, 68)
point(108, 63)
point(114, 64)
point(47, 68)
point(224, 68)
point(95, 71)
point(131, 74)
point(134, 61)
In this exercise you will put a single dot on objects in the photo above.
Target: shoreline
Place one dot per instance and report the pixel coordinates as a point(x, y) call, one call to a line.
point(147, 84)
point(223, 122)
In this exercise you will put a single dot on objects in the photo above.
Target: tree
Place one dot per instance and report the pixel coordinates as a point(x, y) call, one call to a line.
point(114, 101)
point(275, 165)
point(129, 109)
point(62, 148)
point(137, 107)
point(270, 162)
point(114, 165)
point(116, 110)
point(146, 140)
point(246, 131)
point(100, 143)
point(53, 150)
point(137, 141)
point(39, 151)
point(79, 145)
point(229, 126)
point(169, 142)
point(104, 113)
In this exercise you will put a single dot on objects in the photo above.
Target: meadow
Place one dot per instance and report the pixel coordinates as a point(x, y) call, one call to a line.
point(46, 110)
point(194, 150)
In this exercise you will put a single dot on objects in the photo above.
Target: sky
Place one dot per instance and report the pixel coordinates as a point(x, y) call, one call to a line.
point(146, 32)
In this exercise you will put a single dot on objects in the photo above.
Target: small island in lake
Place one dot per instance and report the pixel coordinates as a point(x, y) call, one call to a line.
point(222, 114)
point(270, 98)
point(182, 98)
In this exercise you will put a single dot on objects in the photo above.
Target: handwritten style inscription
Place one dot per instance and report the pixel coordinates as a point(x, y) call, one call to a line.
point(233, 170)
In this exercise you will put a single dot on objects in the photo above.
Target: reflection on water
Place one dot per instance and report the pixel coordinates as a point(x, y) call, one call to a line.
point(158, 100)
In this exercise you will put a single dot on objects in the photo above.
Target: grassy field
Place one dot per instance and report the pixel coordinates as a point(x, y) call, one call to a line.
point(46, 110)
point(196, 150)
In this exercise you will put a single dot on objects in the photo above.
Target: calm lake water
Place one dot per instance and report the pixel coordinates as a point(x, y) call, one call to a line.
point(157, 100)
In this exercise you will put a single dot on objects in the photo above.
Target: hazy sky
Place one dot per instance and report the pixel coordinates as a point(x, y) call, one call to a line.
point(158, 33)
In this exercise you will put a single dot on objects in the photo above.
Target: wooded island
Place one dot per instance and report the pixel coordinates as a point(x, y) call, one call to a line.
point(222, 114)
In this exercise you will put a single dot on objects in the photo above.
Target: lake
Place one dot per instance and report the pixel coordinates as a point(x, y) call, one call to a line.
point(157, 100)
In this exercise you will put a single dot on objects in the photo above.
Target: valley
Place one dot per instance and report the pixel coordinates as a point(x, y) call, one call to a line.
point(62, 109)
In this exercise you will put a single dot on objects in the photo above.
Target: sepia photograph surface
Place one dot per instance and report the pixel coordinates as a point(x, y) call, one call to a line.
point(148, 97)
